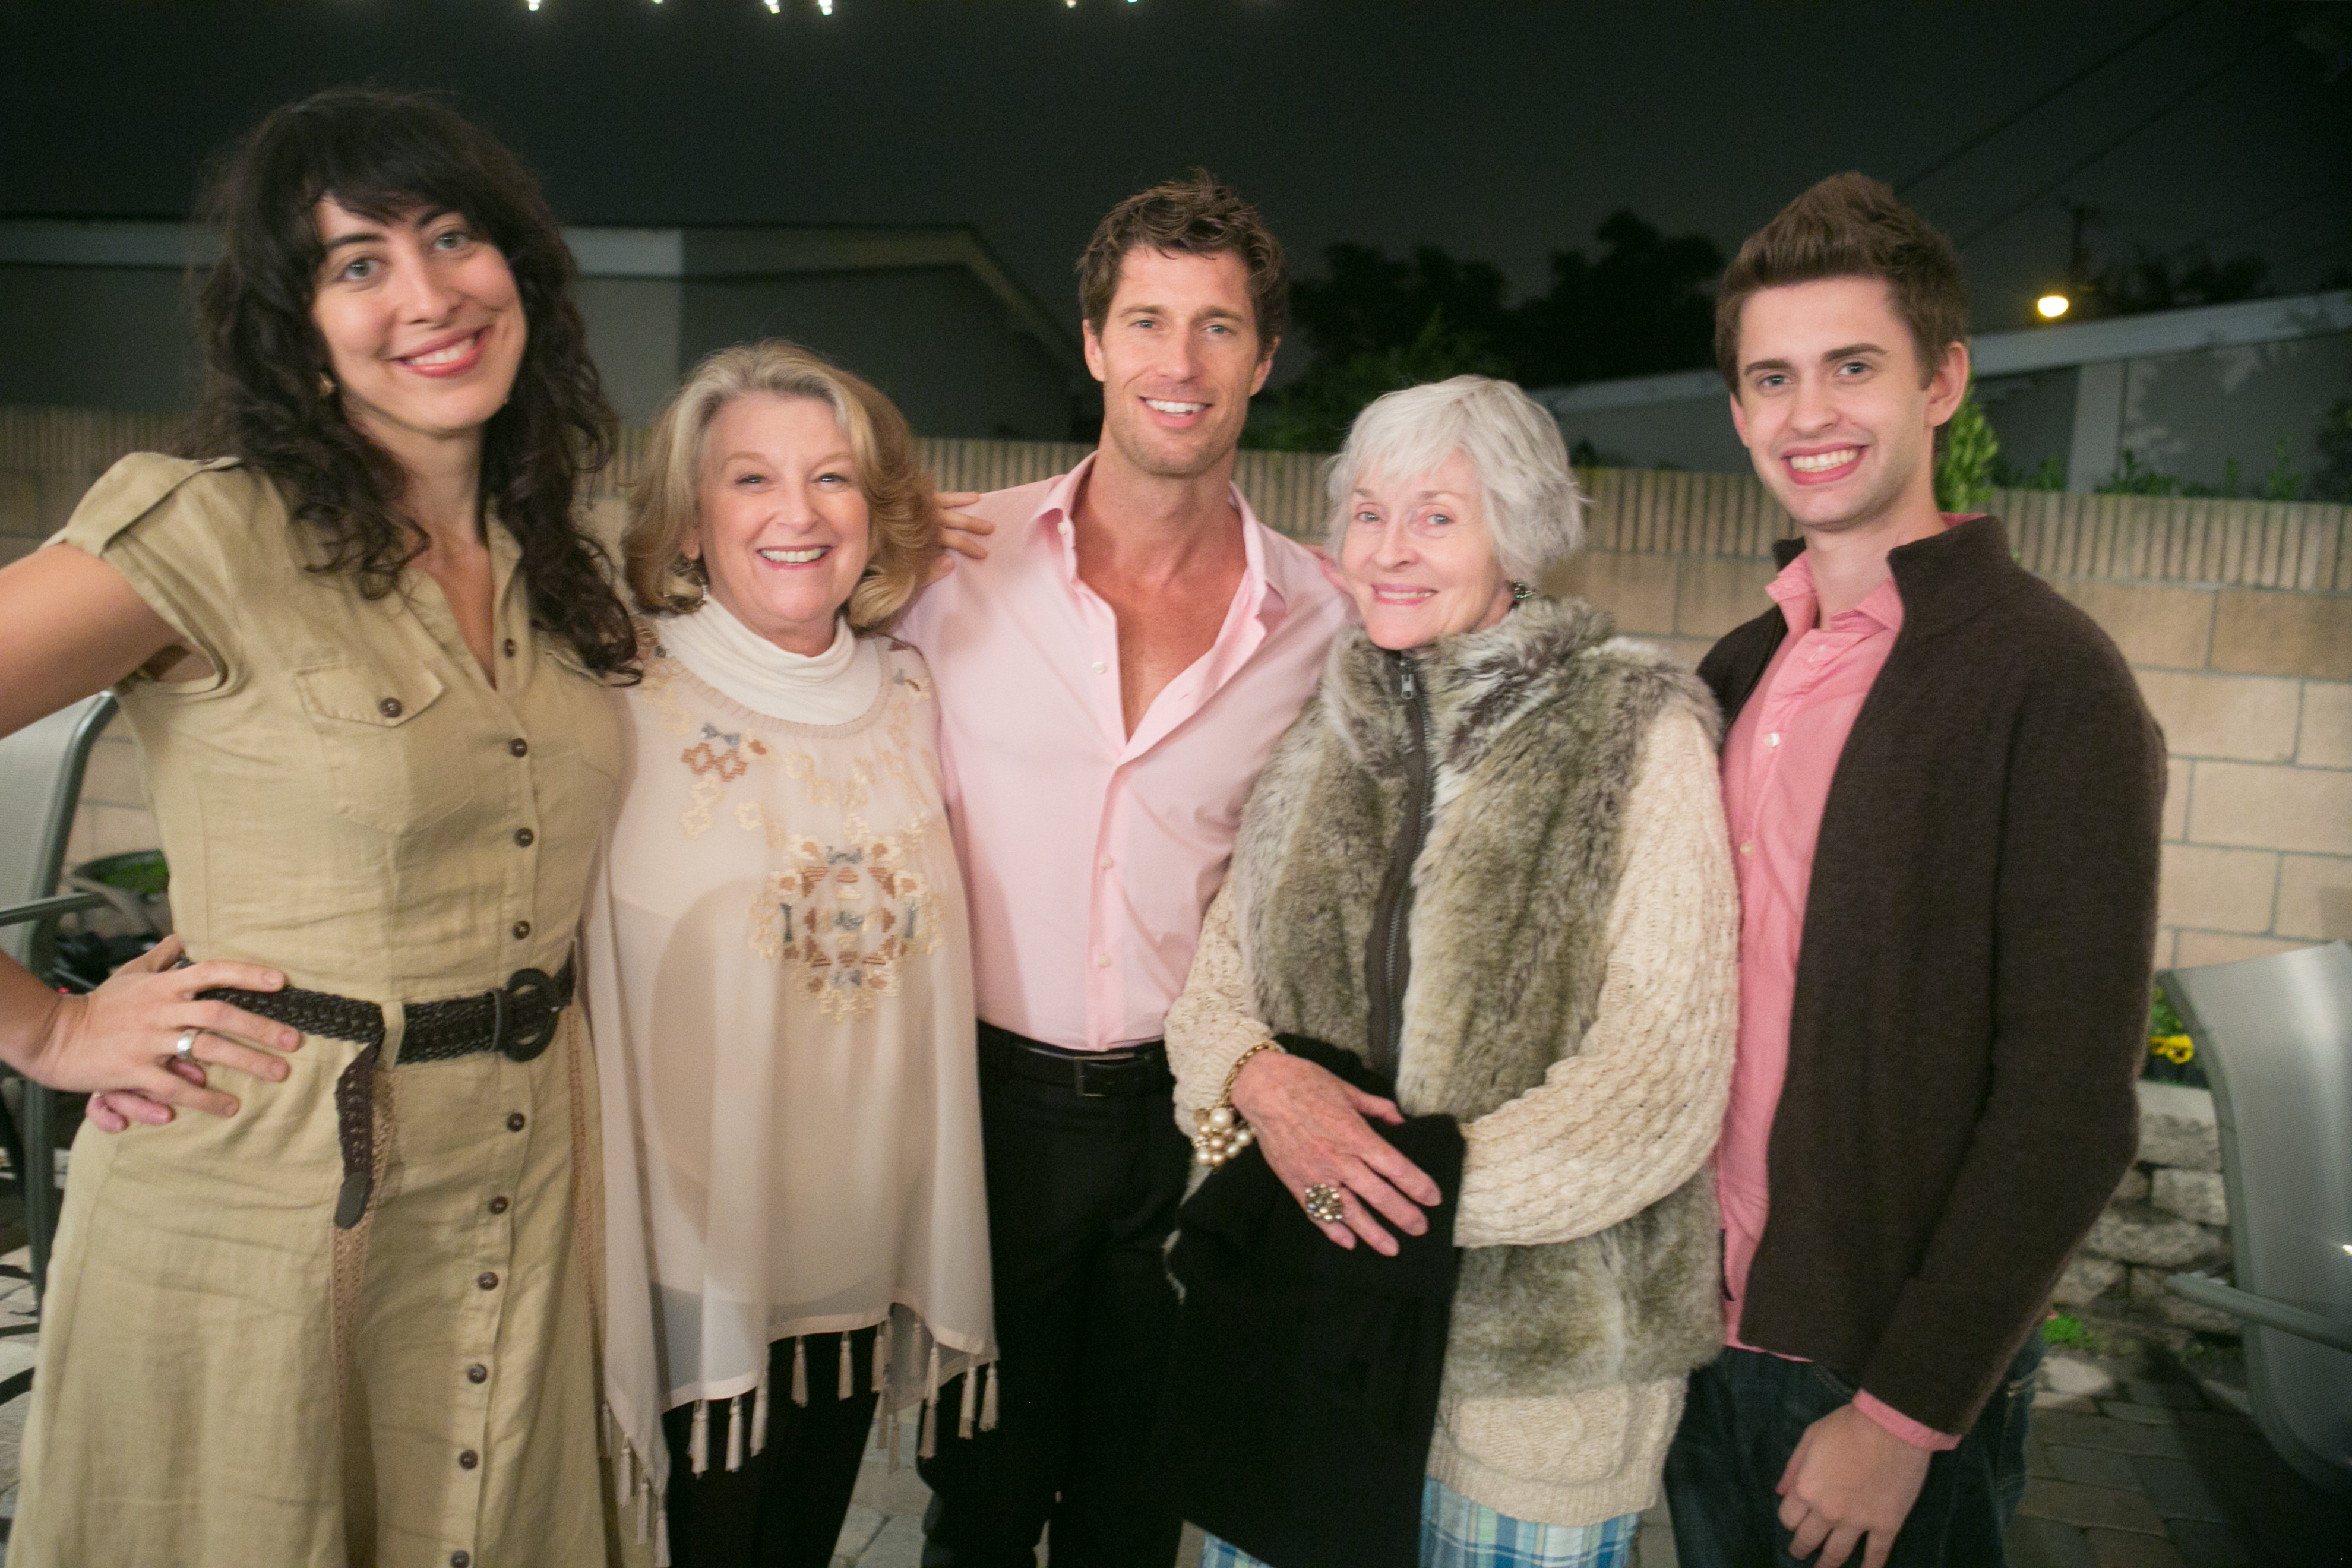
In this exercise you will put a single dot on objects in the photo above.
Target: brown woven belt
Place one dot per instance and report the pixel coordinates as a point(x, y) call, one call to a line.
point(517, 1021)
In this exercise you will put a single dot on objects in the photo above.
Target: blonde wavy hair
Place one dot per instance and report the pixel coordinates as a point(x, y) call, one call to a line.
point(902, 518)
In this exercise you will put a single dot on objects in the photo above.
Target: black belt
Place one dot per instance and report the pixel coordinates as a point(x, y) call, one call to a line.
point(517, 1020)
point(1092, 1075)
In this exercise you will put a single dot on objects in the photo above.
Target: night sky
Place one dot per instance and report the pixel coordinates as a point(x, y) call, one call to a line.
point(1499, 129)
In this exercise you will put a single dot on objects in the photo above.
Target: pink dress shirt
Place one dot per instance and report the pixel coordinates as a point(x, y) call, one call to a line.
point(1778, 763)
point(1090, 855)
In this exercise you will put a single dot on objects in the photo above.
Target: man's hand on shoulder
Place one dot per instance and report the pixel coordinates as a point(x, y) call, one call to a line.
point(1850, 1483)
point(959, 531)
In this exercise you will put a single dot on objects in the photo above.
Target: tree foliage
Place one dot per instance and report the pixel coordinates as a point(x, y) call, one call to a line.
point(1374, 323)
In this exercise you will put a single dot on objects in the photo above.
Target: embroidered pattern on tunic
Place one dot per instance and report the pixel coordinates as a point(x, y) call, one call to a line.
point(849, 915)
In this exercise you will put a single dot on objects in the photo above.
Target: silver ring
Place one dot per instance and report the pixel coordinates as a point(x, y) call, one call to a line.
point(1321, 1202)
point(185, 1047)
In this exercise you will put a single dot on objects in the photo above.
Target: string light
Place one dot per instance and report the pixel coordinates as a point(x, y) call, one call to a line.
point(825, 8)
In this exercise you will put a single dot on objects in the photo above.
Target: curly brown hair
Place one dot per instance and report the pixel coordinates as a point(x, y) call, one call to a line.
point(381, 155)
point(1850, 225)
point(903, 522)
point(1193, 215)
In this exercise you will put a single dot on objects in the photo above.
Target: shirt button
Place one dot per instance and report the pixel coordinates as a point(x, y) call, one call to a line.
point(389, 707)
point(508, 647)
point(461, 1560)
point(519, 746)
point(468, 1460)
point(1102, 960)
point(486, 1280)
point(1773, 739)
point(524, 837)
point(1749, 847)
point(521, 929)
point(1101, 668)
point(497, 1206)
point(1107, 862)
point(514, 1123)
point(477, 1372)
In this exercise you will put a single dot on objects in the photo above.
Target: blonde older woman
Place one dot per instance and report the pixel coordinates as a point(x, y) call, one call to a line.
point(1489, 866)
point(779, 974)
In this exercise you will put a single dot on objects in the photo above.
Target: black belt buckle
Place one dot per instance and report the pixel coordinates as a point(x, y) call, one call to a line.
point(1086, 1070)
point(522, 1016)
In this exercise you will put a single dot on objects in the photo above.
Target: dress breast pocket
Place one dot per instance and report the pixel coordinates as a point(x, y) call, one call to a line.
point(393, 760)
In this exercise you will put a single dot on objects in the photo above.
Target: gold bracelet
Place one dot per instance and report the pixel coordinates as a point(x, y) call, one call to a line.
point(1219, 1133)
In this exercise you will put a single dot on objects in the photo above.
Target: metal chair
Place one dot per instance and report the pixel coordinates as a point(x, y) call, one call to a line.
point(41, 783)
point(2275, 1036)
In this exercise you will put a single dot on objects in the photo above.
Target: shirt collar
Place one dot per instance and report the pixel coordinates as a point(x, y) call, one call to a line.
point(1800, 603)
point(1263, 593)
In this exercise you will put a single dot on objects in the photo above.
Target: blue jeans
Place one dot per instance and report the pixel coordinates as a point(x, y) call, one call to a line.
point(1744, 1417)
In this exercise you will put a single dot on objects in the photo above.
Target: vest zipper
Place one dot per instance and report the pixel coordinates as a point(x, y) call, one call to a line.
point(1392, 967)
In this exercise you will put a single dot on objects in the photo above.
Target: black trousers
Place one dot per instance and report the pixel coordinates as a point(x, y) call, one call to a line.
point(783, 1509)
point(1744, 1416)
point(1082, 1194)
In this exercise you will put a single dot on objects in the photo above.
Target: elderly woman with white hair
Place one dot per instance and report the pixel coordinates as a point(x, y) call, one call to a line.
point(1484, 876)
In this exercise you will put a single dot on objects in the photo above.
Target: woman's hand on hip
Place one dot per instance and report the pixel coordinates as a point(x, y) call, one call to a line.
point(1312, 1125)
point(125, 1036)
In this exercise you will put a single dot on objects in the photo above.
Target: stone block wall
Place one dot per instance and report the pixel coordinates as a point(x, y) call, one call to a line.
point(2170, 1213)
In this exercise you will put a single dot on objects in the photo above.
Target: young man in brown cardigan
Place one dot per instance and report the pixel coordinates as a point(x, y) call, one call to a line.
point(1943, 791)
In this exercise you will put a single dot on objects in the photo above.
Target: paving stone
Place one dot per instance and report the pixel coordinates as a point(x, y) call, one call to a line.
point(2047, 1543)
point(2086, 1278)
point(2094, 1467)
point(2101, 1432)
point(2081, 1403)
point(2137, 1413)
point(858, 1529)
point(2207, 1545)
point(2192, 1194)
point(2177, 1127)
point(2169, 1394)
point(2188, 1314)
point(2064, 1374)
point(2134, 1186)
point(2037, 1456)
point(2119, 1549)
point(898, 1544)
point(2136, 1233)
point(2176, 1487)
point(2110, 1507)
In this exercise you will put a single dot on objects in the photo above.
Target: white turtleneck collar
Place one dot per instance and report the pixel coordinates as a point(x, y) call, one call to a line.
point(834, 687)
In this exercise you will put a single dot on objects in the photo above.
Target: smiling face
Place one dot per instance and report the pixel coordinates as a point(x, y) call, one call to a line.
point(1831, 405)
point(1178, 357)
point(1418, 559)
point(423, 324)
point(781, 525)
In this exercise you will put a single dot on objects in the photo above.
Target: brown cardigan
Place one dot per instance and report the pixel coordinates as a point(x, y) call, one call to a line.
point(1972, 988)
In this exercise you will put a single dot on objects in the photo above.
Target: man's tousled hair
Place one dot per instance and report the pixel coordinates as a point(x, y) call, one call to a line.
point(1850, 225)
point(1192, 215)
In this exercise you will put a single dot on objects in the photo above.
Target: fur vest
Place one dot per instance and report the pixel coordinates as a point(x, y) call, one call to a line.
point(1534, 730)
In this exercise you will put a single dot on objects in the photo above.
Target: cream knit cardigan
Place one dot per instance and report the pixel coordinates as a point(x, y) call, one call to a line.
point(1625, 1120)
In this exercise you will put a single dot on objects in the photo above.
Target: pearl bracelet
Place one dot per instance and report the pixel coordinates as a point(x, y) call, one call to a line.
point(1218, 1132)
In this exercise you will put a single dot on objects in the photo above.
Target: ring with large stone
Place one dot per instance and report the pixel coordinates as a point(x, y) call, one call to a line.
point(1321, 1202)
point(185, 1047)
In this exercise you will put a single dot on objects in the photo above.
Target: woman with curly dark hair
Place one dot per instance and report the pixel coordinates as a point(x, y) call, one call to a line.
point(364, 650)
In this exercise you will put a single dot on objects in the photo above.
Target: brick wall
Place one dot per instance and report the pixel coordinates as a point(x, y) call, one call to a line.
point(2236, 615)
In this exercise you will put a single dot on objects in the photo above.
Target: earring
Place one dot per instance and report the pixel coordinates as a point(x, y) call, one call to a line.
point(326, 385)
point(691, 568)
point(1520, 593)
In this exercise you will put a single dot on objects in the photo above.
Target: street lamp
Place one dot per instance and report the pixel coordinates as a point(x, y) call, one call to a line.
point(2051, 306)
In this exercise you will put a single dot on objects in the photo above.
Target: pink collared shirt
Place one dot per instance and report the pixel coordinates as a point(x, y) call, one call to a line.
point(1090, 855)
point(1778, 763)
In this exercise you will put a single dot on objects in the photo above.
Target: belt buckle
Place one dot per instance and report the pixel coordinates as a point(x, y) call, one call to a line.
point(527, 995)
point(1081, 1070)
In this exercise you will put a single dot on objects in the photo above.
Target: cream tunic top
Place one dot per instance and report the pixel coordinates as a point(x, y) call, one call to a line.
point(224, 1377)
point(779, 990)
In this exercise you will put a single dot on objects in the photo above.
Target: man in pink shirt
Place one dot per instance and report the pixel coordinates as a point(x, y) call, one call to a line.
point(1111, 678)
point(1943, 793)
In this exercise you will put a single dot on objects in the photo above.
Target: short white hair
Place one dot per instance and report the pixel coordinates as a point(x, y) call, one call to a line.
point(1535, 513)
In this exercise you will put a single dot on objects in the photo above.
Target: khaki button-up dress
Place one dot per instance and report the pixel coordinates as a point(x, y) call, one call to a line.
point(224, 1377)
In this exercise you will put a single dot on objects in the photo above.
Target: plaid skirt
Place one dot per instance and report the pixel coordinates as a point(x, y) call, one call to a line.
point(1458, 1533)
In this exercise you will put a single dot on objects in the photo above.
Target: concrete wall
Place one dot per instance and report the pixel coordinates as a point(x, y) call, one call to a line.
point(2235, 616)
